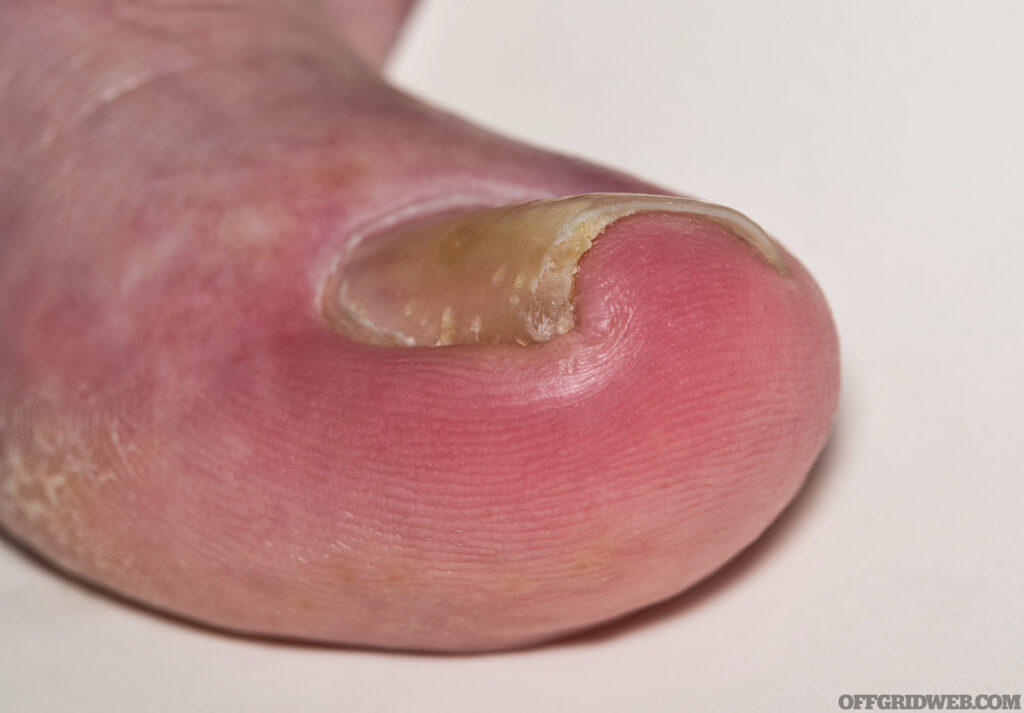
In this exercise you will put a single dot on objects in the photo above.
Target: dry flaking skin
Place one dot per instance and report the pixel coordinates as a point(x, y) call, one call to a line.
point(497, 275)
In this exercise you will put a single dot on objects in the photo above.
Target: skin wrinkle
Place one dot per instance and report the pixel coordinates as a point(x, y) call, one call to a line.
point(195, 35)
point(128, 86)
point(387, 508)
point(177, 53)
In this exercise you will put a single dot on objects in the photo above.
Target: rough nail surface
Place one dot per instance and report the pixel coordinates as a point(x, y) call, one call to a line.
point(495, 275)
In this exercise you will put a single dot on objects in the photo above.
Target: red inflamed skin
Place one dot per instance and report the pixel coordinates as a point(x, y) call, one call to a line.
point(289, 353)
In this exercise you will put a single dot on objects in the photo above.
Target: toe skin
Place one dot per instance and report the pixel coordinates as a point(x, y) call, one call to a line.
point(459, 498)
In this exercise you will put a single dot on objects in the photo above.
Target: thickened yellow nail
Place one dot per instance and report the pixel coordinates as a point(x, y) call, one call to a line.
point(499, 275)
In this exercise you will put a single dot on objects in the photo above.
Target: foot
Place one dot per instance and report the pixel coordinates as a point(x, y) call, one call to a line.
point(288, 352)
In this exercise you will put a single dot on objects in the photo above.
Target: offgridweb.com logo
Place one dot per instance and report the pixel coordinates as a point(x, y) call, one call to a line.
point(930, 701)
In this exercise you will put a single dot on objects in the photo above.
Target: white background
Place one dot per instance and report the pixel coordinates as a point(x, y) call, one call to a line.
point(882, 142)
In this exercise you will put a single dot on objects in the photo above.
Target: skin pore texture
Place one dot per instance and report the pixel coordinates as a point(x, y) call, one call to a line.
point(203, 206)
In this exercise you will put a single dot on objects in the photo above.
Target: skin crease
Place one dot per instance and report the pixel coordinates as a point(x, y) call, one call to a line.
point(178, 424)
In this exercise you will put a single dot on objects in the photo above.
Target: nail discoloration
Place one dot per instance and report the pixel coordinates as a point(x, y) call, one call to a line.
point(455, 271)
